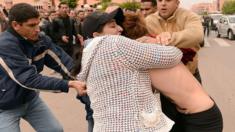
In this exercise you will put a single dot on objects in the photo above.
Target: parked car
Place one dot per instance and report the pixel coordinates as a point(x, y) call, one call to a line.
point(226, 26)
point(214, 20)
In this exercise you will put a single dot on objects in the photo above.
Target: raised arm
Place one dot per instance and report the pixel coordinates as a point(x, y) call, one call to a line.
point(191, 35)
point(187, 31)
point(145, 56)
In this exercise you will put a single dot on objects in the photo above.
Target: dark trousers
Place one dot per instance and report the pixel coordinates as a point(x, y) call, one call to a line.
point(206, 30)
point(184, 123)
point(68, 49)
point(207, 121)
point(89, 112)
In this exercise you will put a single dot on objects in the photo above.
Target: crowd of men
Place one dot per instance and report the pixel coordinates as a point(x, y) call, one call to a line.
point(63, 25)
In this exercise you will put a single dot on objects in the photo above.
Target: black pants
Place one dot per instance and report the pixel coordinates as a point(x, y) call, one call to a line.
point(206, 30)
point(206, 121)
point(182, 122)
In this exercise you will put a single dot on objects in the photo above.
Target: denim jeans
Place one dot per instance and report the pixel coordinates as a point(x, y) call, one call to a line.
point(35, 112)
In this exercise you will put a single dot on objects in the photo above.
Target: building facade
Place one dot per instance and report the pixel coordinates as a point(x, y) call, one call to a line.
point(201, 8)
point(215, 6)
point(45, 4)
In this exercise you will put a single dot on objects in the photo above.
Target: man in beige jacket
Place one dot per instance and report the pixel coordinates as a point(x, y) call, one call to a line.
point(183, 29)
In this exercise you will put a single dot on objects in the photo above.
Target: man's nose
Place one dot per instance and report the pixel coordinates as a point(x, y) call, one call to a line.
point(163, 2)
point(120, 29)
point(37, 29)
point(144, 12)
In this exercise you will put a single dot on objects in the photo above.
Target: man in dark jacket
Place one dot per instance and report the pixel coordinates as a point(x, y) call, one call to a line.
point(206, 25)
point(23, 53)
point(64, 31)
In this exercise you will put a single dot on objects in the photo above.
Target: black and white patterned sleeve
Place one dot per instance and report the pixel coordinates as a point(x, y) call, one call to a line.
point(145, 56)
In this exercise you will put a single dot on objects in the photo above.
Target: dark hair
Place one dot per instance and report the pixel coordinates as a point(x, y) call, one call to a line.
point(134, 26)
point(22, 12)
point(100, 28)
point(79, 11)
point(154, 2)
point(62, 3)
point(51, 11)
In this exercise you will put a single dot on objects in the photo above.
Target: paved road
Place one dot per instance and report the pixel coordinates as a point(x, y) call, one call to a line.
point(216, 65)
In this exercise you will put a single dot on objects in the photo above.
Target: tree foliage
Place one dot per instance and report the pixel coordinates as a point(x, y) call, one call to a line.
point(126, 5)
point(229, 7)
point(105, 5)
point(133, 6)
point(105, 1)
point(72, 3)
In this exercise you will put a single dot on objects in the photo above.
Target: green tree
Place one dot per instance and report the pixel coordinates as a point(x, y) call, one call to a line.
point(104, 1)
point(133, 6)
point(72, 3)
point(104, 5)
point(229, 7)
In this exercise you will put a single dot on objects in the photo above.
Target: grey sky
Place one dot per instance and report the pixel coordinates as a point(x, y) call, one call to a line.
point(188, 3)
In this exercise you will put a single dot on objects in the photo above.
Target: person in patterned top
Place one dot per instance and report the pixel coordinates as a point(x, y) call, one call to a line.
point(173, 77)
point(115, 69)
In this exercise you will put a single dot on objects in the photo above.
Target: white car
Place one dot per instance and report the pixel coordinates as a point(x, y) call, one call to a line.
point(226, 26)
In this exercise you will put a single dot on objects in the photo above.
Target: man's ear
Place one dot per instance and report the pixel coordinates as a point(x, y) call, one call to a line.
point(15, 25)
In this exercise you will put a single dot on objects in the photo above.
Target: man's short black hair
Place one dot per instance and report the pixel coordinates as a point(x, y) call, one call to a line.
point(154, 2)
point(51, 11)
point(22, 12)
point(62, 3)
